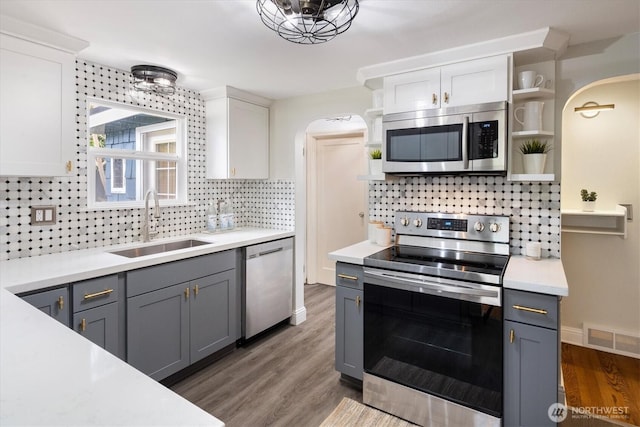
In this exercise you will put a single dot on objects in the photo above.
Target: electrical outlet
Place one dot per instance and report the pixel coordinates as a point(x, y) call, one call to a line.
point(43, 215)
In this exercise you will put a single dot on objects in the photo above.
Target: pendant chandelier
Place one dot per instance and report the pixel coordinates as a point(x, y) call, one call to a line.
point(307, 21)
point(153, 79)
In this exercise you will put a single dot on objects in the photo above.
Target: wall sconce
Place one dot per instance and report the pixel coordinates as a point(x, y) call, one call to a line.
point(152, 79)
point(591, 109)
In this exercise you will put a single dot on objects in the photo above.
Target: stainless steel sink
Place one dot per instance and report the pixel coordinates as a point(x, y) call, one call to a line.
point(159, 248)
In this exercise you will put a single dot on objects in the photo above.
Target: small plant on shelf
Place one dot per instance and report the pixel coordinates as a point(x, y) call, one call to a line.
point(534, 146)
point(375, 154)
point(588, 196)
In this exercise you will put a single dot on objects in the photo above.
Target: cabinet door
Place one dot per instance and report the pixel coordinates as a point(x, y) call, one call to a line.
point(349, 332)
point(248, 140)
point(158, 331)
point(212, 314)
point(37, 108)
point(530, 374)
point(100, 326)
point(54, 303)
point(474, 82)
point(416, 90)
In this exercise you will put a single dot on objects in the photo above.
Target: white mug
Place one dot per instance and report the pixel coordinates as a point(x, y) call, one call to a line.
point(532, 119)
point(529, 79)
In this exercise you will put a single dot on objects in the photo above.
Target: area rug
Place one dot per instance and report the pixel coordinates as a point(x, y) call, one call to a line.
point(351, 413)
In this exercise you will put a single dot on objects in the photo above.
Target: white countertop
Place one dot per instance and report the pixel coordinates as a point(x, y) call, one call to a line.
point(50, 375)
point(545, 276)
point(33, 273)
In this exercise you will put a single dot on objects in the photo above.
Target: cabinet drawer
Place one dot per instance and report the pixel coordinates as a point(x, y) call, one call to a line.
point(161, 276)
point(531, 308)
point(94, 292)
point(350, 275)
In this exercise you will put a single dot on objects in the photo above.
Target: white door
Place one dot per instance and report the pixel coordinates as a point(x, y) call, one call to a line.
point(337, 211)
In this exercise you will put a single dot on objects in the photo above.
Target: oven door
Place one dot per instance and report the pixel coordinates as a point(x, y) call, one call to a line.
point(440, 337)
point(429, 144)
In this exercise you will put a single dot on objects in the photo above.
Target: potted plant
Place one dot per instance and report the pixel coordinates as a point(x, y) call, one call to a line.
point(375, 162)
point(534, 155)
point(588, 200)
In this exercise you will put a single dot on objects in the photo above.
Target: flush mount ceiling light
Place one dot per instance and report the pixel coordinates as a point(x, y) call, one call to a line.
point(153, 79)
point(591, 109)
point(307, 21)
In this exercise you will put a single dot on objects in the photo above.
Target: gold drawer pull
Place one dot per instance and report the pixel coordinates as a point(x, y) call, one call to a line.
point(346, 276)
point(186, 292)
point(529, 309)
point(446, 98)
point(60, 303)
point(98, 294)
point(434, 98)
point(358, 301)
point(512, 336)
point(195, 289)
point(83, 325)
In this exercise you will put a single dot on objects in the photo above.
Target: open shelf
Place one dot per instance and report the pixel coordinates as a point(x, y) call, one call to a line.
point(607, 222)
point(373, 112)
point(533, 93)
point(531, 133)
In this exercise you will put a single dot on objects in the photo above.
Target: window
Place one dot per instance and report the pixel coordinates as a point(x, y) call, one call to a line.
point(132, 150)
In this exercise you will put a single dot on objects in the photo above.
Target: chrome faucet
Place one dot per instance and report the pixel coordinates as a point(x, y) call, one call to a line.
point(156, 214)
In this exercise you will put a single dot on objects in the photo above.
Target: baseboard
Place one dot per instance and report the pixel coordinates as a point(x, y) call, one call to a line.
point(571, 335)
point(298, 316)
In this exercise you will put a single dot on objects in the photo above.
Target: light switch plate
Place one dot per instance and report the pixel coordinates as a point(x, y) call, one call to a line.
point(43, 215)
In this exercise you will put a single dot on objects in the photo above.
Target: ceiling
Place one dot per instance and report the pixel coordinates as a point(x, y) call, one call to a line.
point(211, 43)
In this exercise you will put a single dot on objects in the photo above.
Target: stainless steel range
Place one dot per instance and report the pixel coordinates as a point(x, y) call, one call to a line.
point(433, 320)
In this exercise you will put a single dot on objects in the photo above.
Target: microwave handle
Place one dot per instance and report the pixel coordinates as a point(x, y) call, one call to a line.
point(465, 142)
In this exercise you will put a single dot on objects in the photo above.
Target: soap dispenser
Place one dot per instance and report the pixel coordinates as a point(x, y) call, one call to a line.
point(211, 217)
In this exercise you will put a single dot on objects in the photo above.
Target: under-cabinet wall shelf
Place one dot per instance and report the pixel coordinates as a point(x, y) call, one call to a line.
point(607, 222)
point(531, 133)
point(520, 95)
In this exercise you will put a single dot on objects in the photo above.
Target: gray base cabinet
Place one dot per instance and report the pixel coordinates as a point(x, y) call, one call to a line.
point(172, 325)
point(349, 320)
point(54, 303)
point(531, 357)
point(98, 312)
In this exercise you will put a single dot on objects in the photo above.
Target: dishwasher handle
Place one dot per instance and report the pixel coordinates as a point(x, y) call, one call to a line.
point(271, 251)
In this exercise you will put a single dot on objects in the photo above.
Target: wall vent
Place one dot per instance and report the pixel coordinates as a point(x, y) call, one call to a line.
point(610, 340)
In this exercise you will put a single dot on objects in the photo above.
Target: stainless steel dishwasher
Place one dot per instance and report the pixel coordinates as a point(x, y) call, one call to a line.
point(268, 285)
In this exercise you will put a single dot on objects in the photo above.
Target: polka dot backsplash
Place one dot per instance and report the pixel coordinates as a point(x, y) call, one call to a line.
point(268, 204)
point(533, 207)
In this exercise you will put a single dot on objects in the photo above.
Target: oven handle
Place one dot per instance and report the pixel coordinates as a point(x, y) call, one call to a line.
point(459, 291)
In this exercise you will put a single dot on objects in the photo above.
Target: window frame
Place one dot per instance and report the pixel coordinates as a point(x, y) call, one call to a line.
point(180, 157)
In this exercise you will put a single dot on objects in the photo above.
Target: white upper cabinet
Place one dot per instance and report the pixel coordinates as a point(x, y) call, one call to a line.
point(237, 139)
point(37, 109)
point(462, 83)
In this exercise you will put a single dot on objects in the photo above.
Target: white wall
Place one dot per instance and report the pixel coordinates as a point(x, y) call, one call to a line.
point(602, 154)
point(292, 115)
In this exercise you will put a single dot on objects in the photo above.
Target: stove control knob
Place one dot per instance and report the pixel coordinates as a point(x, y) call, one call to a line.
point(478, 226)
point(417, 222)
point(494, 227)
point(404, 221)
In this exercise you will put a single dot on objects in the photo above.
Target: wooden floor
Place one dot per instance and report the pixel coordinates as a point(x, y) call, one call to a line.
point(286, 380)
point(599, 379)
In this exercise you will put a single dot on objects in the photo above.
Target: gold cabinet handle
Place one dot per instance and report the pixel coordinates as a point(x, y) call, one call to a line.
point(195, 289)
point(83, 325)
point(346, 276)
point(69, 166)
point(530, 310)
point(446, 97)
point(434, 98)
point(512, 336)
point(186, 292)
point(98, 294)
point(60, 303)
point(233, 171)
point(358, 299)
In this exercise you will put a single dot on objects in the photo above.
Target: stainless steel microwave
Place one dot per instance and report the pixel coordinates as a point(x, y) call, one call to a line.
point(470, 139)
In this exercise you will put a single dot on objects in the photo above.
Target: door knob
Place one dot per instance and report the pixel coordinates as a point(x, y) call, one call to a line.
point(361, 214)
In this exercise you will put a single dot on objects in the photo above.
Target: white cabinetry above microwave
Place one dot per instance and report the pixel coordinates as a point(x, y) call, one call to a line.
point(37, 111)
point(237, 139)
point(463, 83)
